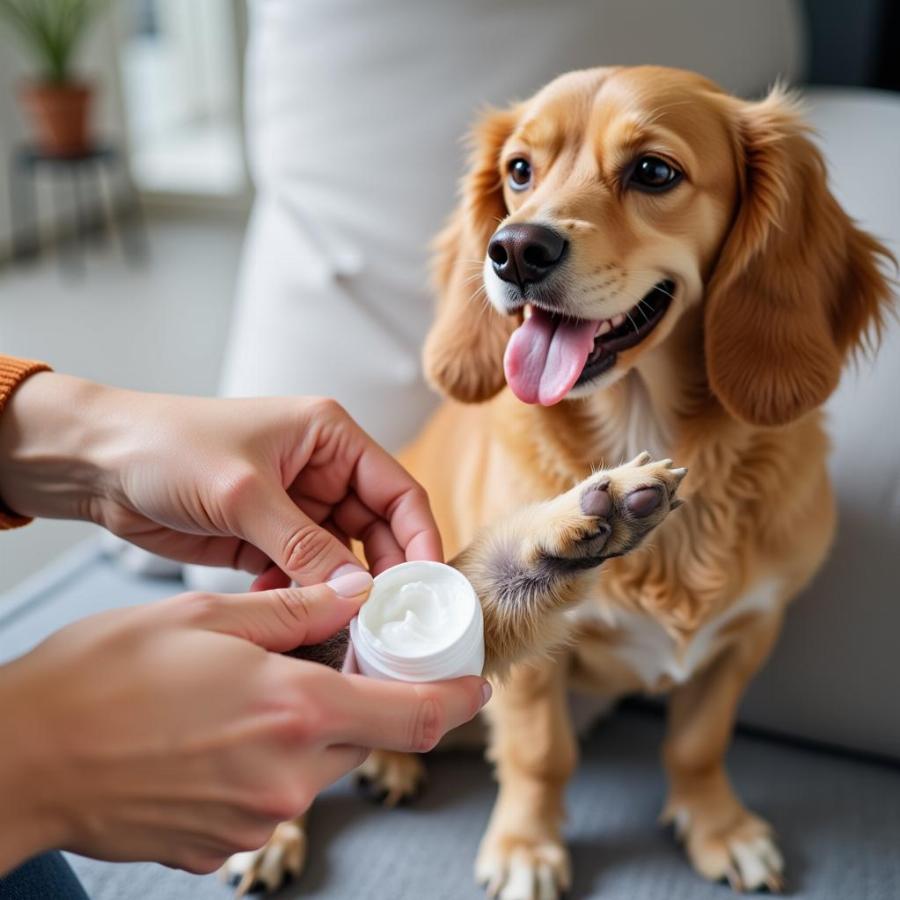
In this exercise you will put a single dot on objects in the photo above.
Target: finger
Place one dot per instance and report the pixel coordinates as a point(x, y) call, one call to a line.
point(397, 716)
point(381, 548)
point(272, 578)
point(390, 492)
point(301, 548)
point(380, 545)
point(333, 763)
point(284, 618)
point(387, 489)
point(222, 552)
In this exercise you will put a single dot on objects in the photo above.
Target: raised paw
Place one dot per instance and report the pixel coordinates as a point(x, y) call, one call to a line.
point(517, 868)
point(527, 566)
point(611, 512)
point(280, 859)
point(391, 778)
point(744, 853)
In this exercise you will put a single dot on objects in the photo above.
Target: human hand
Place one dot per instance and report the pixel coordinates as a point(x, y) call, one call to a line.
point(239, 483)
point(176, 732)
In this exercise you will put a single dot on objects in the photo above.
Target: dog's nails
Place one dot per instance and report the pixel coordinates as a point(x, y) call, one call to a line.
point(679, 473)
point(641, 459)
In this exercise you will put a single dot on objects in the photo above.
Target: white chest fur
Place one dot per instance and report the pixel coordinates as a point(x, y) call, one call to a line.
point(653, 654)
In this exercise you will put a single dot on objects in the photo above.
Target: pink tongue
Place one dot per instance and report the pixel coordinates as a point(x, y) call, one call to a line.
point(545, 356)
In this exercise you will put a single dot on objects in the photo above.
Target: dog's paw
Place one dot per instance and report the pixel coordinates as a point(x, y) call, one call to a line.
point(744, 853)
point(391, 778)
point(611, 512)
point(517, 868)
point(280, 859)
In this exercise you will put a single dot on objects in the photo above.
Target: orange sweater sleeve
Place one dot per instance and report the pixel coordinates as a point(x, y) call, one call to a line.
point(12, 373)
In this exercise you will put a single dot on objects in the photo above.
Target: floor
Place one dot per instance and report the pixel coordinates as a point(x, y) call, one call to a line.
point(159, 325)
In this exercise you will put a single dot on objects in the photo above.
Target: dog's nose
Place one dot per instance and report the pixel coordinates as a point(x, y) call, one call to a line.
point(524, 254)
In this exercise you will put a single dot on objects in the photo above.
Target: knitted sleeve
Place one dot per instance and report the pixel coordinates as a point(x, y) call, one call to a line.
point(12, 373)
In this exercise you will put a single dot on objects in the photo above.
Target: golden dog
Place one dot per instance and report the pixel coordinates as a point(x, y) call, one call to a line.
point(645, 261)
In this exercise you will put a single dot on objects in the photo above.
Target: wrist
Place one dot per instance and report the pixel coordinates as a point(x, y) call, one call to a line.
point(56, 435)
point(30, 817)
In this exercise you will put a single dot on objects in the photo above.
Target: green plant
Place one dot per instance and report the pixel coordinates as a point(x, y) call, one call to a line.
point(52, 30)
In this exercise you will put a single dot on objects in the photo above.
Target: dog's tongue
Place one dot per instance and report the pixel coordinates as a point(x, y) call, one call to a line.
point(545, 356)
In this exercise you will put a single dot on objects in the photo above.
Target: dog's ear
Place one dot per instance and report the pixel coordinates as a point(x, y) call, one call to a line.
point(797, 286)
point(463, 354)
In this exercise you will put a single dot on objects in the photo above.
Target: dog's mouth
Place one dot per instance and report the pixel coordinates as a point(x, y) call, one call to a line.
point(549, 354)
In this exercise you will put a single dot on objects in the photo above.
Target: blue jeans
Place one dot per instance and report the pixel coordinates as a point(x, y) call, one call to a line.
point(42, 878)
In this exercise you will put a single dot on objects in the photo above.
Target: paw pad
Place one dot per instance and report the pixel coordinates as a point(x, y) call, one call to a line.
point(644, 501)
point(597, 502)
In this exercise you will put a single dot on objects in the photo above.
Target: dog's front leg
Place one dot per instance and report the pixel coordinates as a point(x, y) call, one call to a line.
point(522, 854)
point(529, 570)
point(723, 839)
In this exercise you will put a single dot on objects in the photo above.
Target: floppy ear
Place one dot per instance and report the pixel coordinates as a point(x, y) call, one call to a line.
point(463, 354)
point(797, 286)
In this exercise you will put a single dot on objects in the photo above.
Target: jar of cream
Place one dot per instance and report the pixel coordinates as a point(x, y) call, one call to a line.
point(422, 622)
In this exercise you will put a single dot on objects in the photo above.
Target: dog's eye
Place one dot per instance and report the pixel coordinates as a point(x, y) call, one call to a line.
point(654, 174)
point(519, 174)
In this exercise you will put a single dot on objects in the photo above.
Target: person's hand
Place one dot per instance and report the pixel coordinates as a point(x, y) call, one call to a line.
point(169, 732)
point(234, 483)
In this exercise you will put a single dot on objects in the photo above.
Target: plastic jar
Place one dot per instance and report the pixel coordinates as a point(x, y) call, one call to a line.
point(421, 622)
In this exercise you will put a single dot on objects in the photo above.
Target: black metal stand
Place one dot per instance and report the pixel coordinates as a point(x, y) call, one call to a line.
point(92, 211)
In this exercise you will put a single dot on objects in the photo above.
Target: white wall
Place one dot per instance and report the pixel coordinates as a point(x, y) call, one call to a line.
point(97, 63)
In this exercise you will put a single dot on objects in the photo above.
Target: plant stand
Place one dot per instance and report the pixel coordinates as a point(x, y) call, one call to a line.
point(90, 175)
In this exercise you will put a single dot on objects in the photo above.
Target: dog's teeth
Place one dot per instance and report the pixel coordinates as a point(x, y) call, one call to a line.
point(603, 327)
point(526, 312)
point(618, 320)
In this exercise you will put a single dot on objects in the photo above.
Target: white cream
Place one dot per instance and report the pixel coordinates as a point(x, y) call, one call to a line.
point(422, 622)
point(421, 617)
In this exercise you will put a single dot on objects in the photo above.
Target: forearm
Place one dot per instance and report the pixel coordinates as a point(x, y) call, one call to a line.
point(54, 437)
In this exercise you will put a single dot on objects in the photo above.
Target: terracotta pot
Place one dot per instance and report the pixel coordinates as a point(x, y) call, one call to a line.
point(59, 115)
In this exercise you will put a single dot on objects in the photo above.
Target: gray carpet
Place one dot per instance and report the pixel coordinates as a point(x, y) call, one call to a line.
point(838, 817)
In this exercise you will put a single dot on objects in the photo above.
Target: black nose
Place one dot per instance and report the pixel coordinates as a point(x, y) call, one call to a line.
point(524, 254)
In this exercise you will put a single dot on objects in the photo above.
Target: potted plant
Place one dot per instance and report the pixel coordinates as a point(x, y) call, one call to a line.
point(56, 102)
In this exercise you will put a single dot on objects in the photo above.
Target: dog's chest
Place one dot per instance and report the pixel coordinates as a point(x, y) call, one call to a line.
point(649, 650)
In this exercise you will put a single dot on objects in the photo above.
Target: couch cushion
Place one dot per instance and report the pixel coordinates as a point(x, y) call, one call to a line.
point(834, 674)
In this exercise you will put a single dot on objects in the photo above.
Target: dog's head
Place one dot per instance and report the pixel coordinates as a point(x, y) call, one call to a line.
point(597, 213)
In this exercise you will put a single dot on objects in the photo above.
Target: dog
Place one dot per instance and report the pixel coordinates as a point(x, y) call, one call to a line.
point(640, 259)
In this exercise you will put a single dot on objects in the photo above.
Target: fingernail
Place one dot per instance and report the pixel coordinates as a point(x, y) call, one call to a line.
point(486, 692)
point(350, 581)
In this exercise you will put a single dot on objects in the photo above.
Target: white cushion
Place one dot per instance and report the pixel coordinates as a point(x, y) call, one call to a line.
point(835, 672)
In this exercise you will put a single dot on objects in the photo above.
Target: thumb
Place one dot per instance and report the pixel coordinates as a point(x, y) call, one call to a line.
point(284, 618)
point(296, 544)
